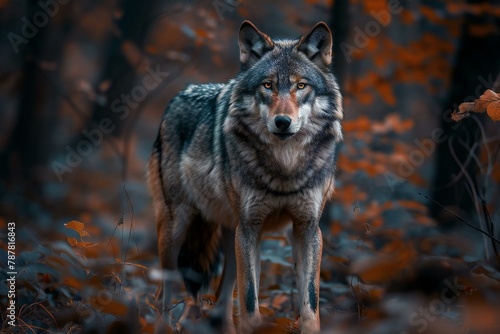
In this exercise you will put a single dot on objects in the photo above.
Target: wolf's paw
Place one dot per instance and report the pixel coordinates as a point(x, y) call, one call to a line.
point(248, 324)
point(309, 325)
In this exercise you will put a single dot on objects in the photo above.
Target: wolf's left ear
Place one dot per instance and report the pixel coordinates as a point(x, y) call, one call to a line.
point(317, 45)
point(253, 44)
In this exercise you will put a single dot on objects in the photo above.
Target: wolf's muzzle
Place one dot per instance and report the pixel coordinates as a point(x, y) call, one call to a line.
point(283, 123)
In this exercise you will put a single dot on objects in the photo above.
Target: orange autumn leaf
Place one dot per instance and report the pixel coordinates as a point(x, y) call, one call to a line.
point(201, 33)
point(284, 323)
point(336, 228)
point(493, 110)
point(386, 92)
point(72, 282)
point(489, 102)
point(376, 293)
point(72, 241)
point(412, 205)
point(466, 107)
point(482, 30)
point(378, 270)
point(481, 317)
point(243, 11)
point(132, 53)
point(464, 111)
point(431, 14)
point(109, 305)
point(83, 244)
point(481, 104)
point(392, 122)
point(78, 227)
point(279, 300)
point(375, 5)
point(377, 222)
point(384, 267)
point(266, 311)
point(407, 17)
point(362, 123)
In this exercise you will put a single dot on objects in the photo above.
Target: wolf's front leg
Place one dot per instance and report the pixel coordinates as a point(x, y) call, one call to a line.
point(308, 244)
point(247, 250)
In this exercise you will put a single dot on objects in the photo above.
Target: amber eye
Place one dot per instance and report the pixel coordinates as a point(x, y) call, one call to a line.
point(301, 85)
point(267, 85)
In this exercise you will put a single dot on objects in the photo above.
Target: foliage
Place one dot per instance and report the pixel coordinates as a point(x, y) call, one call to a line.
point(76, 286)
point(489, 102)
point(375, 275)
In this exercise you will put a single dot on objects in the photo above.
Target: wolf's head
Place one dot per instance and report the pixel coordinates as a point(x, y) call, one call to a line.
point(285, 87)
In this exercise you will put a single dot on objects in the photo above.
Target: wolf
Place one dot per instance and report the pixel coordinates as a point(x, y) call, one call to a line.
point(232, 161)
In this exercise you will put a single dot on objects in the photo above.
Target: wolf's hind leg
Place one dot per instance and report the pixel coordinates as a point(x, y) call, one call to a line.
point(222, 315)
point(172, 233)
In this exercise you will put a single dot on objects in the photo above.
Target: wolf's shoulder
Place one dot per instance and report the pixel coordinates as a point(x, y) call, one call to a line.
point(195, 96)
point(201, 92)
point(196, 101)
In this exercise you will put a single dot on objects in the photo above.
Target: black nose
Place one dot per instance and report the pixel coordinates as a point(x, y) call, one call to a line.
point(282, 122)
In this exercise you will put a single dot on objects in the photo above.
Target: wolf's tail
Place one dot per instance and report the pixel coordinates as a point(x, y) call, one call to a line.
point(200, 254)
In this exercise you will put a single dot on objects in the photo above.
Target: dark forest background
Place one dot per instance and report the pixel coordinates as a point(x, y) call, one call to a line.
point(411, 239)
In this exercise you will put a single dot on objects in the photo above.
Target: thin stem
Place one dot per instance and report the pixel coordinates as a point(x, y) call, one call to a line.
point(461, 219)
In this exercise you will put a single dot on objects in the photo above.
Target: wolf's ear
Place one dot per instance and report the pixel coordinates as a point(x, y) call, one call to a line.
point(317, 45)
point(253, 44)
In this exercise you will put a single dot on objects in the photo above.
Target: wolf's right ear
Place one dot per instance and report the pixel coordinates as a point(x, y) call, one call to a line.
point(317, 45)
point(253, 44)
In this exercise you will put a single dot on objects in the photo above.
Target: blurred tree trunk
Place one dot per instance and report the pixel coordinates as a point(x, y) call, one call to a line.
point(133, 75)
point(122, 71)
point(340, 25)
point(29, 148)
point(476, 67)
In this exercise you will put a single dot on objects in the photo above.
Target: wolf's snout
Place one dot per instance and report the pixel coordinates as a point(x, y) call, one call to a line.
point(282, 122)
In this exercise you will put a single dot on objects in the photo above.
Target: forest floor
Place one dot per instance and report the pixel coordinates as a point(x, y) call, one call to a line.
point(388, 269)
